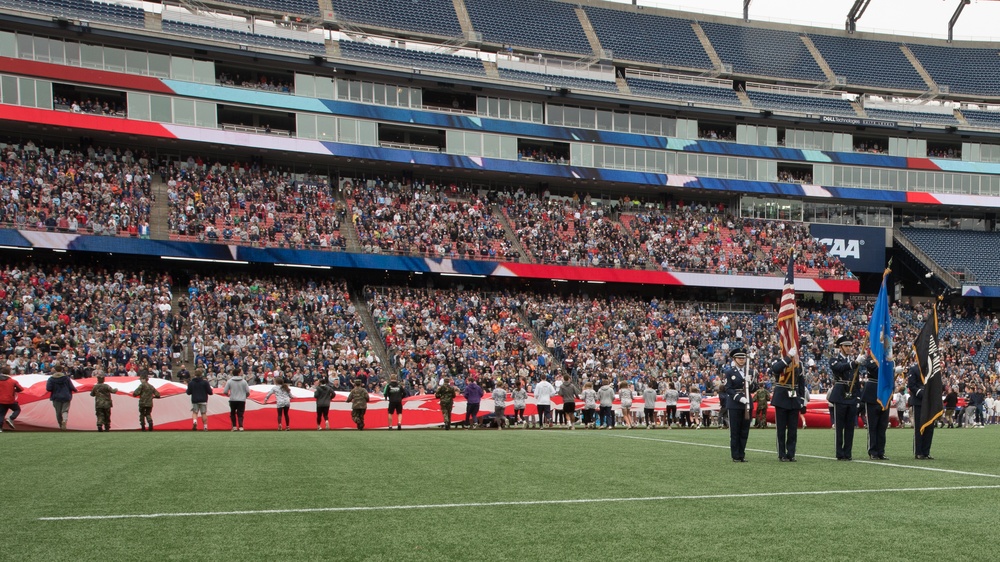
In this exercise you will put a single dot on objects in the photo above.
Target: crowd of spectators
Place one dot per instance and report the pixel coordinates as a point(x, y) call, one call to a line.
point(432, 333)
point(90, 320)
point(85, 320)
point(873, 148)
point(726, 135)
point(541, 155)
point(423, 218)
point(794, 176)
point(950, 152)
point(261, 83)
point(572, 231)
point(708, 237)
point(75, 189)
point(252, 204)
point(295, 328)
point(93, 106)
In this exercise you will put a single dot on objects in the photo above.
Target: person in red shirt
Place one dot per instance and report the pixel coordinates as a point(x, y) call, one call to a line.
point(8, 398)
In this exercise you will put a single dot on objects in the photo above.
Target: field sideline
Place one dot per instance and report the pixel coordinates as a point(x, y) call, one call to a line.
point(512, 495)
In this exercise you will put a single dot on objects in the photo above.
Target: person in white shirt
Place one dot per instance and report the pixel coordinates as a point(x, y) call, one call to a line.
point(543, 401)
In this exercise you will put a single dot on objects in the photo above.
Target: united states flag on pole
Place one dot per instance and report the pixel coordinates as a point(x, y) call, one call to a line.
point(788, 320)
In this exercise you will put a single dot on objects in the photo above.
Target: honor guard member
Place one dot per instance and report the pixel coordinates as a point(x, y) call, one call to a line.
point(739, 388)
point(789, 399)
point(921, 442)
point(876, 414)
point(845, 395)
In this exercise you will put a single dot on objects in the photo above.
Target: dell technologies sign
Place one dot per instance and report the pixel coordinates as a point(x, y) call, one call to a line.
point(861, 248)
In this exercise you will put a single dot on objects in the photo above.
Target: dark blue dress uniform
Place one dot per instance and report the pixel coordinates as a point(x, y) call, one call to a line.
point(876, 417)
point(845, 397)
point(737, 403)
point(921, 443)
point(789, 398)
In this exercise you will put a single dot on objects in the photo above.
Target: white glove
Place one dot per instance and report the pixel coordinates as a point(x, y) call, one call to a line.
point(861, 358)
point(743, 400)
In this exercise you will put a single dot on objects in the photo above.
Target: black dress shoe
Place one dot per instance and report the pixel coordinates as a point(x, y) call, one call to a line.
point(928, 458)
point(883, 458)
point(792, 459)
point(920, 457)
point(873, 457)
point(782, 459)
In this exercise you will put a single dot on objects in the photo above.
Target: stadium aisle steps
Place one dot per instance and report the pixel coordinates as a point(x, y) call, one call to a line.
point(463, 17)
point(159, 213)
point(588, 30)
point(153, 22)
point(491, 69)
point(348, 228)
point(823, 65)
point(919, 68)
point(744, 98)
point(961, 118)
point(512, 237)
point(374, 334)
point(706, 44)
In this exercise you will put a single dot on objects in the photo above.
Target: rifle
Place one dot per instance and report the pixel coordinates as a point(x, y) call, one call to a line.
point(746, 390)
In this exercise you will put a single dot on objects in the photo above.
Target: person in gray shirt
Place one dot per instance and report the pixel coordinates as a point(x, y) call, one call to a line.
point(238, 391)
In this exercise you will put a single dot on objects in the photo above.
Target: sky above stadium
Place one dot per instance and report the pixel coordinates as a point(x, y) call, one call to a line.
point(927, 18)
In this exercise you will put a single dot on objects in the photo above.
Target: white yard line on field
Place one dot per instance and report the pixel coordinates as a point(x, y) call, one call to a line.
point(504, 504)
point(799, 455)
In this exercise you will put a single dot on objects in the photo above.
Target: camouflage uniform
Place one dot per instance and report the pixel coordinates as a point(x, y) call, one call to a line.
point(358, 398)
point(446, 394)
point(762, 398)
point(102, 404)
point(146, 392)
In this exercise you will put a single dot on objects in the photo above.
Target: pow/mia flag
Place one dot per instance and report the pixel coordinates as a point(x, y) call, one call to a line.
point(929, 362)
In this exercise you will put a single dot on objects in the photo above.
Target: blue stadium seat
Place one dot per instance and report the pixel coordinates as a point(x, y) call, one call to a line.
point(536, 24)
point(125, 16)
point(763, 52)
point(912, 116)
point(958, 250)
point(982, 118)
point(683, 91)
point(291, 7)
point(242, 37)
point(866, 62)
point(408, 58)
point(423, 16)
point(559, 81)
point(965, 71)
point(666, 41)
point(807, 104)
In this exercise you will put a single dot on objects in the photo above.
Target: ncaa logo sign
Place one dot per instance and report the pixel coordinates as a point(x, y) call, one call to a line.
point(842, 248)
point(860, 248)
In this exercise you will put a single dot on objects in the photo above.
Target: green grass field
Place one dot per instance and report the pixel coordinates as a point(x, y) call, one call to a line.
point(668, 495)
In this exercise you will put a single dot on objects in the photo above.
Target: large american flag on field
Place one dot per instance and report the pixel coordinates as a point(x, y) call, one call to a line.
point(788, 320)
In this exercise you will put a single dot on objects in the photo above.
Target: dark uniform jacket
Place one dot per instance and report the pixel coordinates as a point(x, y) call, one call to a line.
point(783, 394)
point(734, 388)
point(915, 386)
point(870, 393)
point(846, 383)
